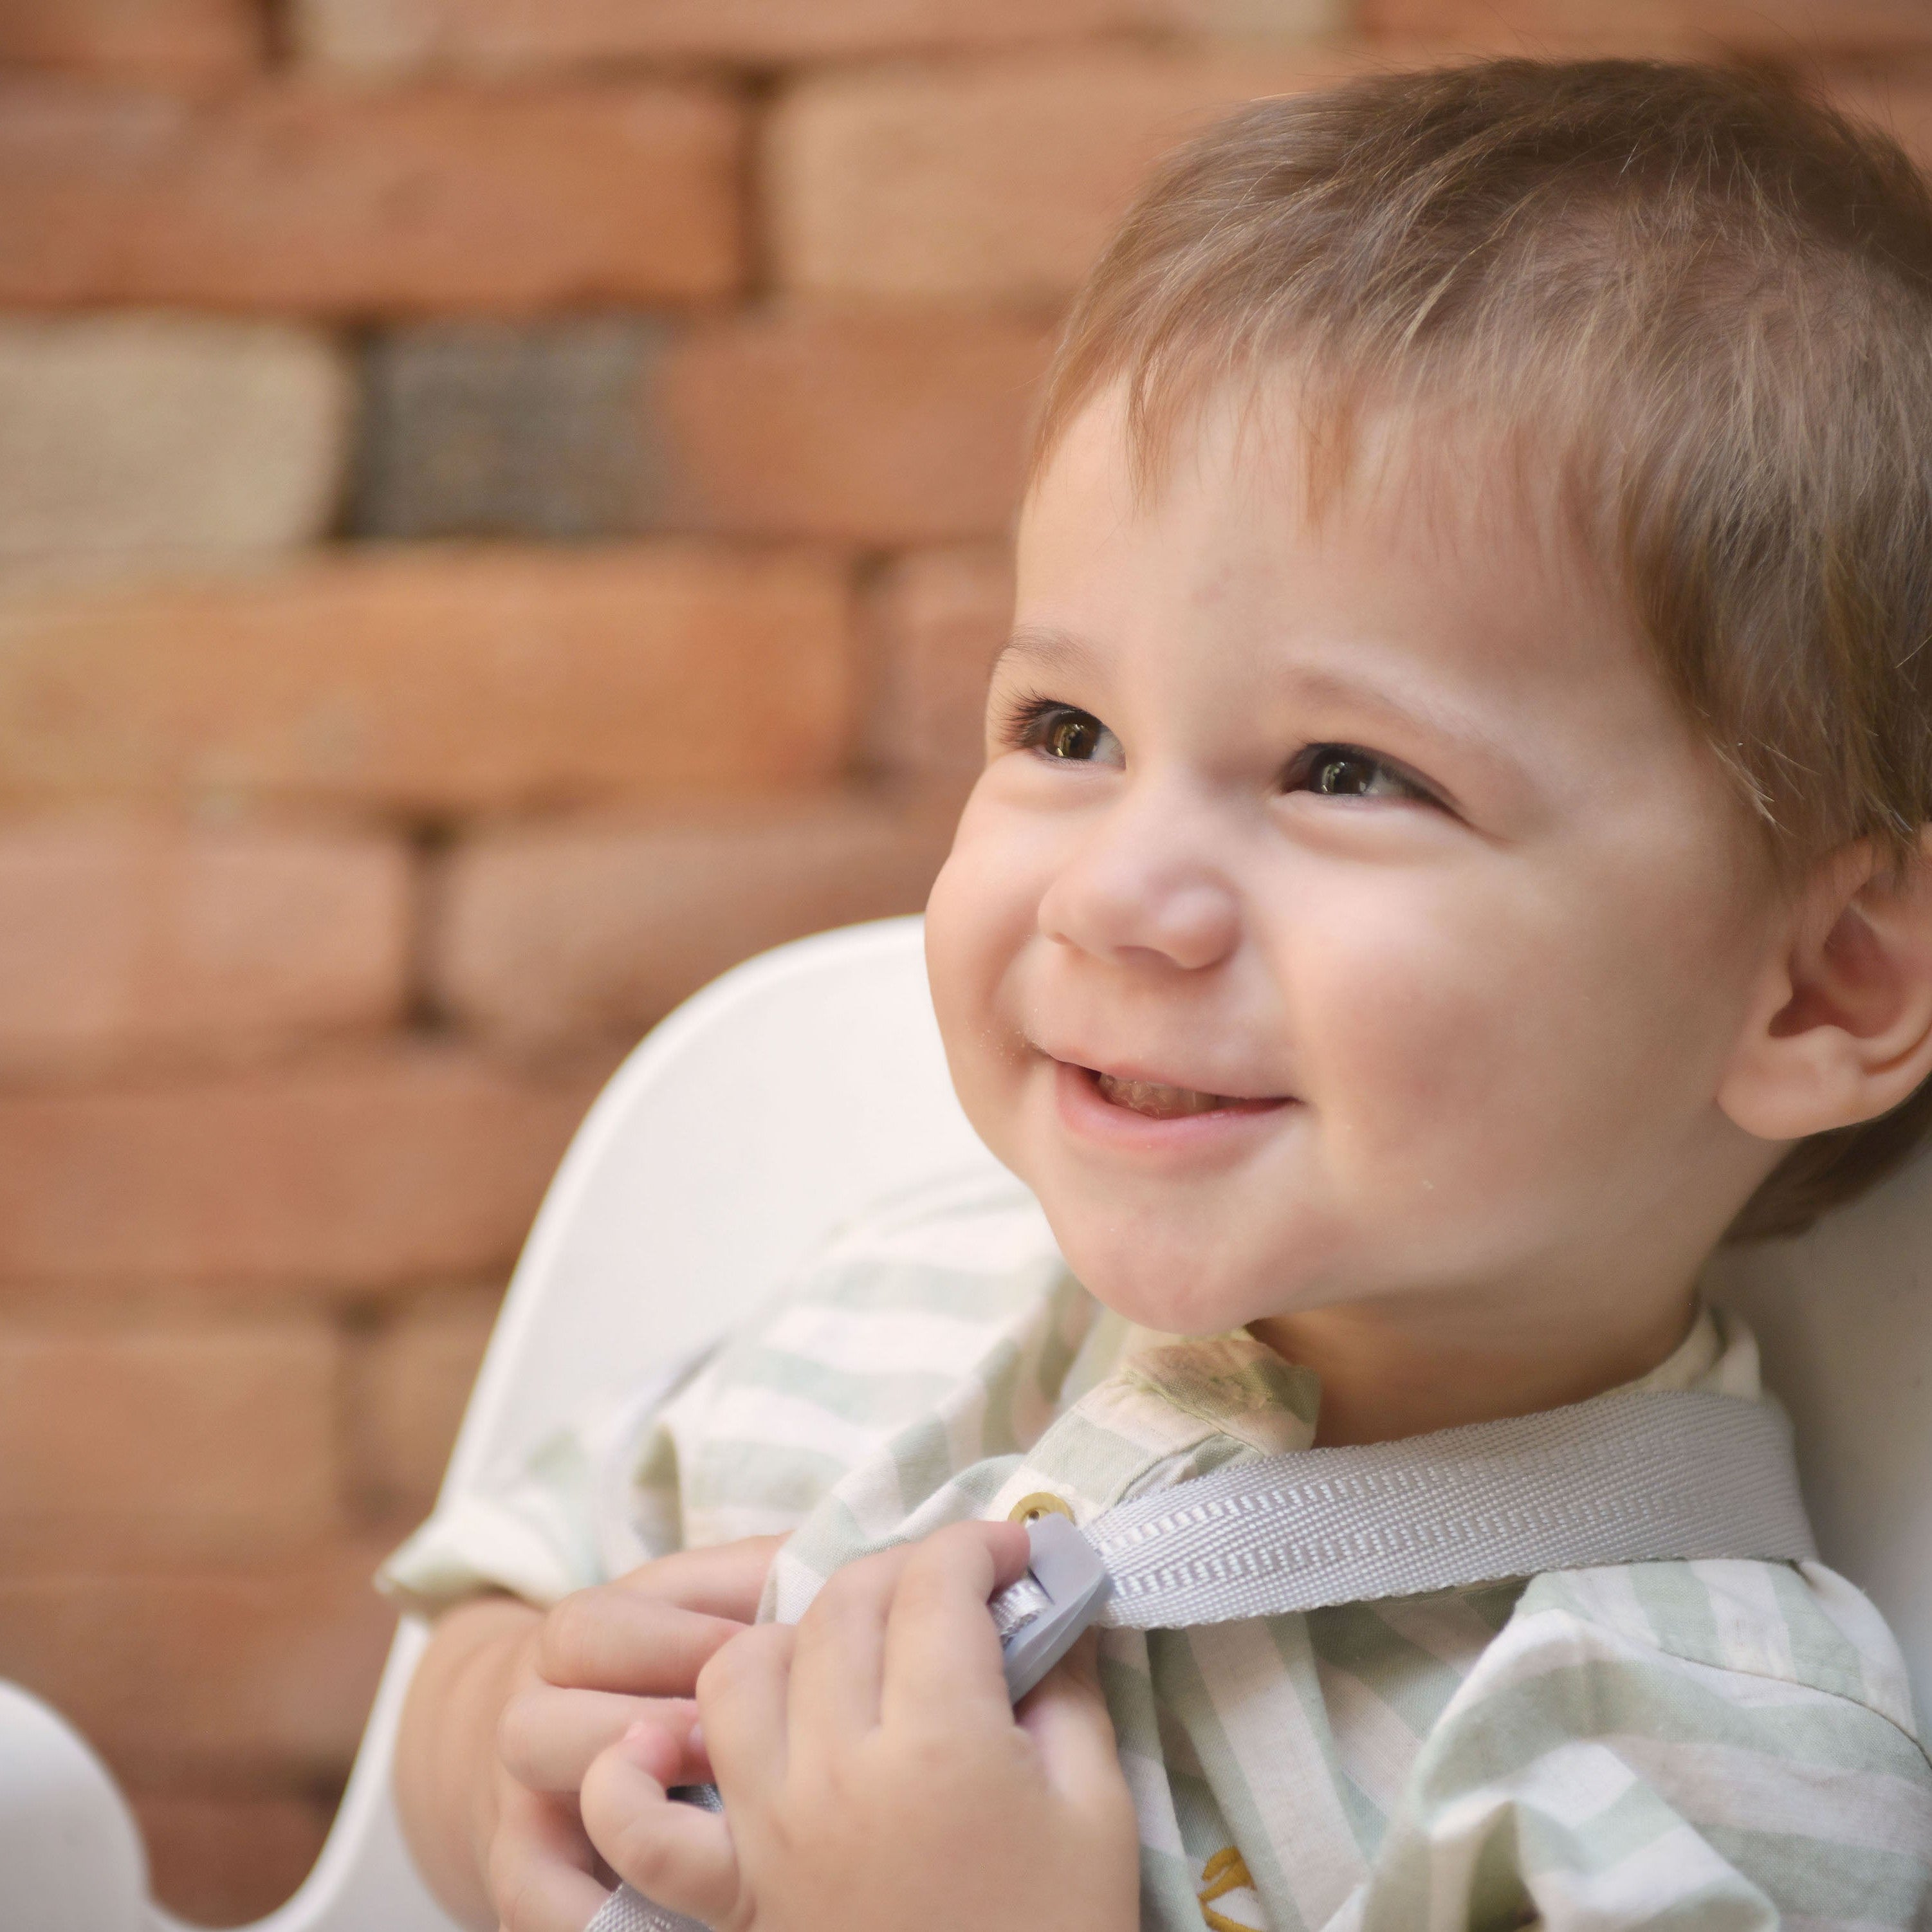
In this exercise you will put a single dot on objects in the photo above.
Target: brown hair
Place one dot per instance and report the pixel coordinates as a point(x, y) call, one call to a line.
point(1704, 301)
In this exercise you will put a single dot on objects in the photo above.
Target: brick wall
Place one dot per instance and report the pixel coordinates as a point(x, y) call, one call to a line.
point(501, 515)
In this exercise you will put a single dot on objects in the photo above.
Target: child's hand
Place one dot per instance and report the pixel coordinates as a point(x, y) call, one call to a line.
point(873, 1775)
point(603, 1660)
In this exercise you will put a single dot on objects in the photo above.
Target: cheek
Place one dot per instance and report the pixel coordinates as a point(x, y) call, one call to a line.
point(979, 918)
point(1490, 1039)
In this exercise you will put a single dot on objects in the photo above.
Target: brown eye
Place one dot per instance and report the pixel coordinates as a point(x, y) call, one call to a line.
point(1347, 771)
point(1073, 734)
point(1344, 774)
point(1063, 732)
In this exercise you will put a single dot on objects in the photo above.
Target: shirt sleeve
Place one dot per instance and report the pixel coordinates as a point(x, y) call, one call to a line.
point(1584, 1778)
point(596, 1497)
point(893, 1307)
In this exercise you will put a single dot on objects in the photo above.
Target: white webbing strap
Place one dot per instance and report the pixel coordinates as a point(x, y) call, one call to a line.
point(1630, 1478)
point(1649, 1477)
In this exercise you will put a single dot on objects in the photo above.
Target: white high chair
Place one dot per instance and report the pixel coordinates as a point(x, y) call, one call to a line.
point(773, 1104)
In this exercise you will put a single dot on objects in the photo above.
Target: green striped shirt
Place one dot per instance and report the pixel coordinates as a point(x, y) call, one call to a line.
point(1722, 1745)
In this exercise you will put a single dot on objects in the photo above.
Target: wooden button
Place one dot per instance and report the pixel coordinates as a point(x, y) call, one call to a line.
point(1041, 1502)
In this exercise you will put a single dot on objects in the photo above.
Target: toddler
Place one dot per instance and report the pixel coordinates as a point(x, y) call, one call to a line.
point(1449, 855)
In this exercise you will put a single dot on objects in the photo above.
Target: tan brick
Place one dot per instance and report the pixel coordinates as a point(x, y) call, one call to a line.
point(903, 427)
point(129, 436)
point(1779, 27)
point(938, 618)
point(233, 1676)
point(441, 680)
point(993, 177)
point(346, 202)
point(179, 40)
point(121, 936)
point(603, 927)
point(228, 1858)
point(509, 35)
point(367, 1170)
point(410, 1379)
point(217, 1440)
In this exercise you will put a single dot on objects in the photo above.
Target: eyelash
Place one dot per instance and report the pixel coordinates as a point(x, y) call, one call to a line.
point(1025, 727)
point(1028, 720)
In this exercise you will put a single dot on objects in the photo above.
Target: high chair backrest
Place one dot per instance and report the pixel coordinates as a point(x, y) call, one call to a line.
point(810, 1081)
point(764, 1112)
point(1843, 1316)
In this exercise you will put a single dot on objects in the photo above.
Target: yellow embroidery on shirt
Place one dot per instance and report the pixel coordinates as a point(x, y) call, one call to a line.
point(1226, 1871)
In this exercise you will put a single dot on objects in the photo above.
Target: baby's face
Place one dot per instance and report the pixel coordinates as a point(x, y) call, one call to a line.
point(1346, 910)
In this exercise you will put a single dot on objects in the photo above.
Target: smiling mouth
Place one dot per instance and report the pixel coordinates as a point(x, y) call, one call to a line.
point(1157, 1101)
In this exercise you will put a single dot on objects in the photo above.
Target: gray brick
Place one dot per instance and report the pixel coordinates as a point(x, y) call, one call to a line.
point(499, 429)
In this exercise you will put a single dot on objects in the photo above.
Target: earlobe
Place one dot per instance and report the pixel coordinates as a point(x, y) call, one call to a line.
point(1843, 1029)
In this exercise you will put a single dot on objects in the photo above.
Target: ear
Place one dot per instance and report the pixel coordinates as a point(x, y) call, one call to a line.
point(1842, 1030)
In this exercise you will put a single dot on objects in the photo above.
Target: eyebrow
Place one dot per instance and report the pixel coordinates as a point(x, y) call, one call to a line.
point(1426, 716)
point(1045, 648)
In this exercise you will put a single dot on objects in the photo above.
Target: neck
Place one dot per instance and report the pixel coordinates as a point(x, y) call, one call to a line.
point(1403, 1366)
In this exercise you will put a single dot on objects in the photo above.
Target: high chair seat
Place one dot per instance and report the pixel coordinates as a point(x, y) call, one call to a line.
point(774, 1104)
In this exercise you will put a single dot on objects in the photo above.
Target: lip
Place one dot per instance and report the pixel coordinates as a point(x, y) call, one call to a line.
point(1084, 1112)
point(1156, 1076)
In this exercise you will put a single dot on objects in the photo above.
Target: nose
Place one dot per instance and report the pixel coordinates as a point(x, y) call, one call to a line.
point(1147, 885)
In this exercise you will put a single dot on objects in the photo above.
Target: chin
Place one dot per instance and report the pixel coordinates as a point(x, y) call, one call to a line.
point(1157, 1279)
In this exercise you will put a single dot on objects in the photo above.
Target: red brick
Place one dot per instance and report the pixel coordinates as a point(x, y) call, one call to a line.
point(350, 202)
point(904, 428)
point(993, 177)
point(178, 1439)
point(410, 1382)
point(368, 1170)
point(1778, 27)
point(603, 927)
point(438, 680)
point(119, 937)
point(235, 1675)
point(502, 35)
point(180, 39)
point(1900, 102)
point(227, 1858)
point(938, 618)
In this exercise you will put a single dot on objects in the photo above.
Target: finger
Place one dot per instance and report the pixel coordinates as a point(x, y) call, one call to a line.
point(942, 1654)
point(1066, 1715)
point(540, 1866)
point(675, 1855)
point(547, 1737)
point(724, 1581)
point(612, 1638)
point(838, 1664)
point(742, 1698)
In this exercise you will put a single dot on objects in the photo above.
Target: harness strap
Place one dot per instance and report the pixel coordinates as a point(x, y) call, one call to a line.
point(1637, 1477)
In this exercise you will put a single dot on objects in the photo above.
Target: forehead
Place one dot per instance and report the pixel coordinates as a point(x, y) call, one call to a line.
point(1437, 559)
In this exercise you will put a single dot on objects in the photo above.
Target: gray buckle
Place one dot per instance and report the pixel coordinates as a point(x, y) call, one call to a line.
point(1064, 1589)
